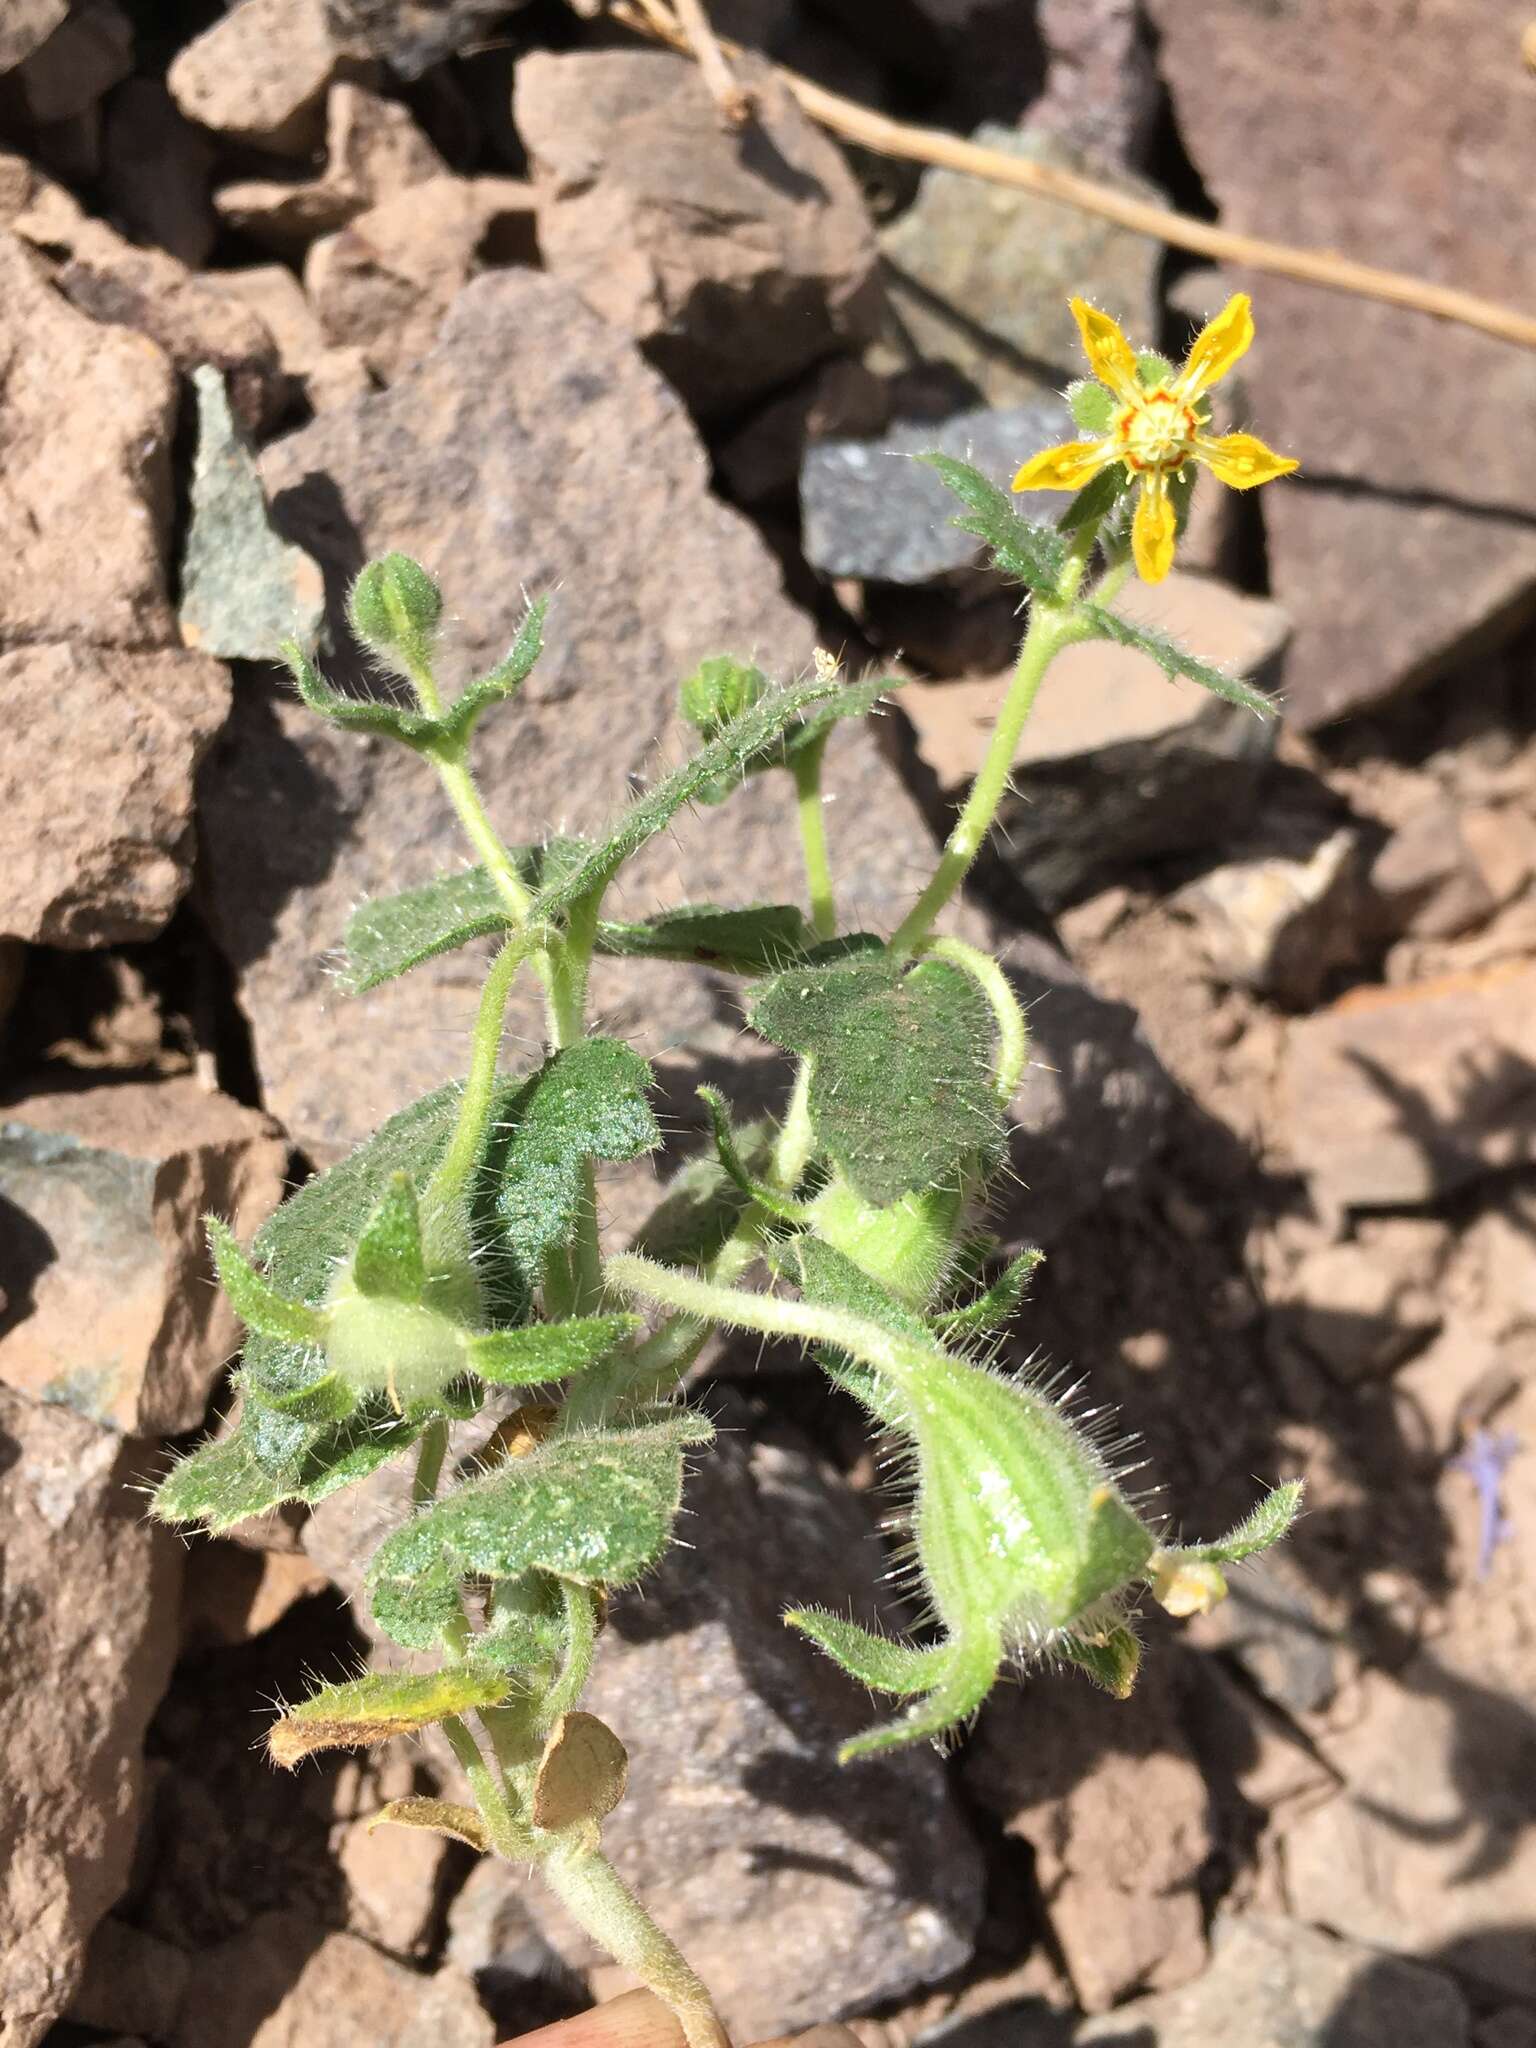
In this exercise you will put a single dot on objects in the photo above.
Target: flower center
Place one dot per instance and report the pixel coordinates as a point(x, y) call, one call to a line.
point(1155, 432)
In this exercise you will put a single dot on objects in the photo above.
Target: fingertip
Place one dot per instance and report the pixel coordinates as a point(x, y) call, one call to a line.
point(636, 2019)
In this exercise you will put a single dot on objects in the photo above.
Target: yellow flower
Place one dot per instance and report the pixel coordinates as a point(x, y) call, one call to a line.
point(1157, 428)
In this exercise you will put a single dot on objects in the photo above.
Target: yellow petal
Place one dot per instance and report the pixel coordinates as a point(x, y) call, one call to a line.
point(1152, 531)
point(1110, 356)
point(1064, 468)
point(1241, 460)
point(1217, 346)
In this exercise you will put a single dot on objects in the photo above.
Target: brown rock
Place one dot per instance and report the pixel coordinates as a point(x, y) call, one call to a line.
point(86, 505)
point(1356, 1315)
point(1395, 1096)
point(156, 167)
point(1426, 879)
point(260, 74)
point(89, 52)
point(1431, 1846)
point(1101, 86)
point(1281, 922)
point(394, 1878)
point(1425, 541)
point(25, 26)
point(96, 778)
point(132, 1982)
point(1111, 1800)
point(282, 1984)
point(384, 284)
point(112, 1307)
point(373, 150)
point(87, 1616)
point(1275, 1981)
point(327, 376)
point(1117, 765)
point(736, 259)
point(1502, 840)
point(234, 1593)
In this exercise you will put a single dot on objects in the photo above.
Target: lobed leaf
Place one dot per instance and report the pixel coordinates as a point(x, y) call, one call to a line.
point(416, 1613)
point(901, 1089)
point(1032, 555)
point(218, 1484)
point(992, 1309)
point(372, 1709)
point(1173, 660)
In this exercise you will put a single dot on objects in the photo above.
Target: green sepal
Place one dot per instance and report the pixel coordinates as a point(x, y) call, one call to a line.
point(301, 1385)
point(1117, 1547)
point(719, 690)
point(1097, 499)
point(1111, 1659)
point(991, 1310)
point(389, 1260)
point(540, 1352)
point(724, 758)
point(596, 1508)
point(588, 1101)
point(880, 1662)
point(1153, 368)
point(758, 939)
point(378, 1706)
point(1181, 495)
point(1032, 555)
point(1173, 659)
point(1091, 404)
point(901, 1091)
point(258, 1304)
point(829, 1277)
point(1268, 1522)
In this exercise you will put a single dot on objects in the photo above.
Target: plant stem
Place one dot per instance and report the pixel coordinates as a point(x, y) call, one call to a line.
point(430, 1453)
point(489, 1796)
point(450, 1182)
point(592, 1889)
point(1047, 632)
point(581, 1641)
point(813, 838)
point(453, 770)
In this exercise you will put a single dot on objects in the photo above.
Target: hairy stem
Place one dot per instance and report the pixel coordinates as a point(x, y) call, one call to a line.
point(581, 1641)
point(593, 1891)
point(453, 770)
point(489, 1796)
point(450, 1182)
point(429, 1462)
point(813, 838)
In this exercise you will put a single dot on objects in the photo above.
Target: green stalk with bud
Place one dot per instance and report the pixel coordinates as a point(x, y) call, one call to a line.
point(443, 1294)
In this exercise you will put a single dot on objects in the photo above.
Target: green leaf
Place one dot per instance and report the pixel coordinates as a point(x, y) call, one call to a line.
point(540, 1352)
point(382, 1704)
point(901, 1090)
point(389, 1260)
point(1173, 660)
point(830, 1278)
point(724, 758)
point(1266, 1525)
point(755, 940)
point(416, 1613)
point(255, 1301)
point(1111, 1660)
point(769, 1198)
point(588, 1101)
point(391, 934)
point(301, 1384)
point(597, 1508)
point(218, 1485)
point(503, 681)
point(356, 714)
point(1033, 555)
point(991, 1310)
point(880, 1662)
point(1092, 405)
point(339, 1457)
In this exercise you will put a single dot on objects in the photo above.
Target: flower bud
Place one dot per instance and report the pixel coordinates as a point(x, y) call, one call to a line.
point(719, 690)
point(395, 610)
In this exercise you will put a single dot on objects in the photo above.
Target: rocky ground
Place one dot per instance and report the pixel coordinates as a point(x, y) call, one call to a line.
point(294, 283)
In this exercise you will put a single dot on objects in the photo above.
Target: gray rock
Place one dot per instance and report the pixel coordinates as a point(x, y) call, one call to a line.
point(1392, 570)
point(745, 257)
point(979, 275)
point(869, 510)
point(97, 774)
point(112, 1309)
point(413, 35)
point(1117, 764)
point(1274, 1981)
point(88, 1621)
point(243, 590)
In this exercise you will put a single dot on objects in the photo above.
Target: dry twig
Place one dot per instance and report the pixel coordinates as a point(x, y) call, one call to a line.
point(886, 137)
point(725, 89)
